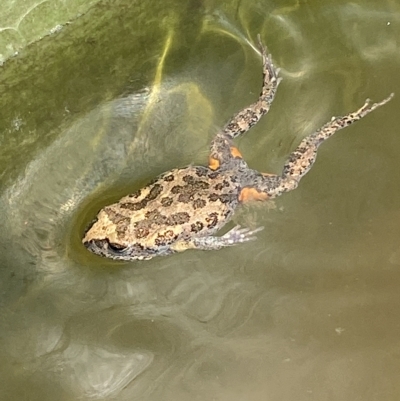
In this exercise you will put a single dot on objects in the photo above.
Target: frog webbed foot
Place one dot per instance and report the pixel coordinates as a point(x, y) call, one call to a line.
point(236, 235)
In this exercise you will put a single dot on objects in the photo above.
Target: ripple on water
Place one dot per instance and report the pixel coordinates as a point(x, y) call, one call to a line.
point(97, 372)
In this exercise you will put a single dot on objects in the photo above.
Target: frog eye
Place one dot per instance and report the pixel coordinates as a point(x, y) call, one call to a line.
point(116, 247)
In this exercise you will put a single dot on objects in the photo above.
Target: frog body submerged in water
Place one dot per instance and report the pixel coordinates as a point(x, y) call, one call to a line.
point(185, 207)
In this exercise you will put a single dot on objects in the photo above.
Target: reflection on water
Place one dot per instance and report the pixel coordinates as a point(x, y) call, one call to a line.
point(309, 311)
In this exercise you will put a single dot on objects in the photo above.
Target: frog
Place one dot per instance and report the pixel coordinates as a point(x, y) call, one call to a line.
point(184, 208)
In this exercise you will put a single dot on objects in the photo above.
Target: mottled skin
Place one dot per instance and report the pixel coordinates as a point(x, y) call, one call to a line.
point(184, 208)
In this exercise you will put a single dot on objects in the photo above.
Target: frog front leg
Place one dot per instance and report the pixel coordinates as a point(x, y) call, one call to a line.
point(236, 235)
point(222, 149)
point(260, 186)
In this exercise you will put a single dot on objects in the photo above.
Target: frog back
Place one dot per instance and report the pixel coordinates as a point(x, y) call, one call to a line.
point(179, 204)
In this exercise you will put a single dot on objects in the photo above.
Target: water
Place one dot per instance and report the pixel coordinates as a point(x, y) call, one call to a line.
point(309, 311)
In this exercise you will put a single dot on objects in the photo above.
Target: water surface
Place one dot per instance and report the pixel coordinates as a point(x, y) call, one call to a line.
point(309, 311)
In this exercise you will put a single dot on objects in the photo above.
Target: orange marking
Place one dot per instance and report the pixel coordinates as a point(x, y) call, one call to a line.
point(267, 174)
point(235, 152)
point(251, 194)
point(213, 163)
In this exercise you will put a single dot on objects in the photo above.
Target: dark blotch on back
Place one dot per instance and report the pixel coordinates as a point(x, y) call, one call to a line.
point(188, 191)
point(178, 218)
point(189, 179)
point(134, 206)
point(221, 185)
point(169, 178)
point(197, 227)
point(199, 203)
point(226, 198)
point(201, 172)
point(155, 217)
point(176, 189)
point(185, 197)
point(122, 226)
point(165, 239)
point(153, 194)
point(136, 194)
point(141, 232)
point(213, 197)
point(202, 185)
point(212, 220)
point(115, 217)
point(223, 198)
point(166, 201)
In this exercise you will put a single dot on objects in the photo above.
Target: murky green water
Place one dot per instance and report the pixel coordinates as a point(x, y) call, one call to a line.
point(309, 311)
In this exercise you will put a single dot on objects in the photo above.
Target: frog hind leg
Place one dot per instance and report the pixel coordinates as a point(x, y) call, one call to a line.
point(269, 186)
point(236, 235)
point(222, 149)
